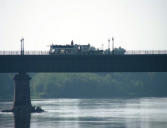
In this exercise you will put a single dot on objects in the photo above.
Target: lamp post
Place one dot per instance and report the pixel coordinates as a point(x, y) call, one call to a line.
point(109, 46)
point(113, 45)
point(22, 46)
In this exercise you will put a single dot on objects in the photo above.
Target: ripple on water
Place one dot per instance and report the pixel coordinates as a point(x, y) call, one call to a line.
point(94, 113)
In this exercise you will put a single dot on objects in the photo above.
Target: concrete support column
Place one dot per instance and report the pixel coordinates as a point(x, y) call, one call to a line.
point(22, 92)
point(22, 100)
point(22, 119)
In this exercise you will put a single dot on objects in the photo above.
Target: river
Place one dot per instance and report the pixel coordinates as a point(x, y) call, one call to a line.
point(90, 113)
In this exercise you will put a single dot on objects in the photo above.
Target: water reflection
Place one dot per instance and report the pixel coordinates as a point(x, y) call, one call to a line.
point(90, 113)
point(22, 120)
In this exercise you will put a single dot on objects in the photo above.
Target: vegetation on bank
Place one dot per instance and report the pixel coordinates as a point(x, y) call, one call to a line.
point(6, 86)
point(90, 85)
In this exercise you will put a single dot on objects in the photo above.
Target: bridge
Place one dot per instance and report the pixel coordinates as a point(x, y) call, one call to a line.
point(41, 61)
point(33, 61)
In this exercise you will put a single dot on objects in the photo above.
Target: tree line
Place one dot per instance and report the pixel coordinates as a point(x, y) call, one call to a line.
point(90, 85)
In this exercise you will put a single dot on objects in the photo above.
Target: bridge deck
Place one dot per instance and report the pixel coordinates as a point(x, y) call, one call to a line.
point(83, 63)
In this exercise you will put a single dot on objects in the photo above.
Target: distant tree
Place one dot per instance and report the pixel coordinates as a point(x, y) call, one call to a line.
point(7, 86)
point(83, 85)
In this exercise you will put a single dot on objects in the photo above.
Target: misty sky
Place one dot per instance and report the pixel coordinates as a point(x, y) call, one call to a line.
point(135, 24)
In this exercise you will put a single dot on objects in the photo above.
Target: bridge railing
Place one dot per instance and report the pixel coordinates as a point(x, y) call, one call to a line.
point(25, 52)
point(36, 52)
point(128, 52)
point(147, 52)
point(10, 52)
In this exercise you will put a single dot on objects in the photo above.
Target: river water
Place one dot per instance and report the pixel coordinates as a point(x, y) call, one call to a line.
point(90, 113)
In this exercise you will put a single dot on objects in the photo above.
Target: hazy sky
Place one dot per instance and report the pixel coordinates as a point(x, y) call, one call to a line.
point(135, 24)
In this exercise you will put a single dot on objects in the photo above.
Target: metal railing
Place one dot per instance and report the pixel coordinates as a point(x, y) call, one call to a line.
point(128, 52)
point(145, 52)
point(25, 52)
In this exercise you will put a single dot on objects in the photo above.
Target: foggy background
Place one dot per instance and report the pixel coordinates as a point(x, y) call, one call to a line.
point(135, 24)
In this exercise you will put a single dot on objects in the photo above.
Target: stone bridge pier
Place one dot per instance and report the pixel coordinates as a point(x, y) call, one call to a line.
point(22, 92)
point(22, 99)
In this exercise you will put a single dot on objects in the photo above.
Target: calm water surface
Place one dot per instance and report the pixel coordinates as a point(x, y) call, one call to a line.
point(91, 113)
